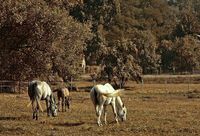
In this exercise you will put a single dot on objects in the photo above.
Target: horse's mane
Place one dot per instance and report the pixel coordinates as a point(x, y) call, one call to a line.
point(119, 102)
point(113, 94)
point(107, 90)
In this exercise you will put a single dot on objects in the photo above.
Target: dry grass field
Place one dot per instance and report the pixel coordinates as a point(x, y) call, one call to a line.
point(153, 109)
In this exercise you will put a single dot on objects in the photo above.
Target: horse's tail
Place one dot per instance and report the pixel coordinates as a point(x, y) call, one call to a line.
point(39, 105)
point(94, 97)
point(116, 93)
point(31, 92)
point(32, 88)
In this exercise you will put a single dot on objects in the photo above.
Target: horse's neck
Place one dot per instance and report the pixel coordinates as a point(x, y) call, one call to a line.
point(119, 102)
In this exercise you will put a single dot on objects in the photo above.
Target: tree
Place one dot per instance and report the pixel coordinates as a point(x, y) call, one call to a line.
point(100, 14)
point(147, 47)
point(120, 63)
point(188, 25)
point(38, 39)
point(187, 53)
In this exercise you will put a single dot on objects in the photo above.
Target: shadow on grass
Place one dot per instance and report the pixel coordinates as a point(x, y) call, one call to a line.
point(15, 118)
point(194, 94)
point(11, 131)
point(86, 89)
point(70, 124)
point(10, 118)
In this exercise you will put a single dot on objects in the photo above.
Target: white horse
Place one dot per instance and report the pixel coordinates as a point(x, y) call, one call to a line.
point(103, 95)
point(38, 90)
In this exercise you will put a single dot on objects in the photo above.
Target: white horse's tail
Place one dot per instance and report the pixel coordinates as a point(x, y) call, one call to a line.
point(94, 97)
point(28, 104)
point(33, 96)
point(39, 105)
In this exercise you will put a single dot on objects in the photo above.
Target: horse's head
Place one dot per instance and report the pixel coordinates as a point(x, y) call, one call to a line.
point(122, 113)
point(53, 106)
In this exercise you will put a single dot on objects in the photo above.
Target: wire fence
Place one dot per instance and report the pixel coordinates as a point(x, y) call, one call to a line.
point(163, 81)
point(10, 86)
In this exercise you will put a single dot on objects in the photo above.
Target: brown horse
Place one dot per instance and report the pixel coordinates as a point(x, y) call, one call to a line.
point(64, 98)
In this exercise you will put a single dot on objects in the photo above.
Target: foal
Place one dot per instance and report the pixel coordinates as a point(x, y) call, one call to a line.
point(64, 98)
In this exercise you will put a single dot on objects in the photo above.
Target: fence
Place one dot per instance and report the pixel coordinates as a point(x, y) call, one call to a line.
point(190, 81)
point(163, 80)
point(12, 86)
point(8, 86)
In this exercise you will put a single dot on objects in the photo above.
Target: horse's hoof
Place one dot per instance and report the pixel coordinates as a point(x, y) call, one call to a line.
point(100, 124)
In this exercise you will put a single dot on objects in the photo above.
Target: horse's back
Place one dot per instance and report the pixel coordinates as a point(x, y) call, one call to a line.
point(109, 88)
point(44, 90)
point(62, 92)
point(104, 89)
point(99, 93)
point(40, 89)
point(65, 91)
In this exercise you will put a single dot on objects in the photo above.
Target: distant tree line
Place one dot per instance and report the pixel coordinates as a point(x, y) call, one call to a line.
point(126, 37)
point(142, 36)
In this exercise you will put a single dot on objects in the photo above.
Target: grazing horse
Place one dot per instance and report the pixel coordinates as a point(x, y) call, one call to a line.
point(40, 90)
point(63, 96)
point(103, 95)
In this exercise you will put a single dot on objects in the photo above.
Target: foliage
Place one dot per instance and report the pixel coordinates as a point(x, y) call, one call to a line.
point(38, 40)
point(127, 38)
point(187, 53)
point(120, 63)
point(152, 26)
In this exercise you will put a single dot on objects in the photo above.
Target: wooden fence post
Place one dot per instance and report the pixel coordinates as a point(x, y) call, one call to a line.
point(19, 84)
point(142, 85)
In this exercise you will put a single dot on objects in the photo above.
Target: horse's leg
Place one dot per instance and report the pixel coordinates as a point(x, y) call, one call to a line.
point(37, 111)
point(67, 103)
point(63, 103)
point(115, 112)
point(105, 114)
point(48, 105)
point(34, 109)
point(99, 112)
point(59, 103)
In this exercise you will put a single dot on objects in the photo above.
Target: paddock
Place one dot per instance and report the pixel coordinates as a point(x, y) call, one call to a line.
point(155, 110)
